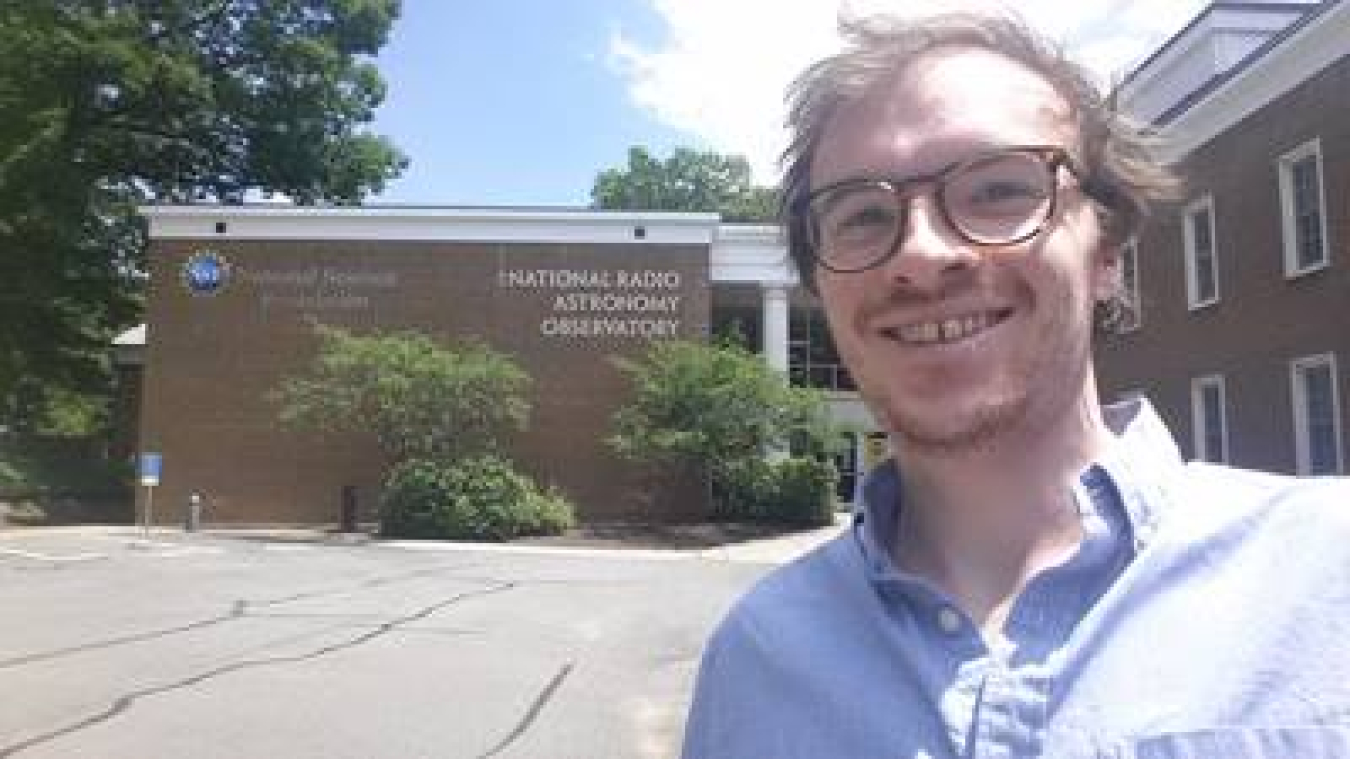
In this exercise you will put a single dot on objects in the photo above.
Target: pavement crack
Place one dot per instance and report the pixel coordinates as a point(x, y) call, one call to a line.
point(240, 609)
point(530, 714)
point(235, 613)
point(125, 702)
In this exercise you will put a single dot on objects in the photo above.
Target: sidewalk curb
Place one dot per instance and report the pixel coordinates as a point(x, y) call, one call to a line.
point(773, 550)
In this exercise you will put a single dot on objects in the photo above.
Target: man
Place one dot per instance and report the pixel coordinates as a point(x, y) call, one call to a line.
point(1031, 575)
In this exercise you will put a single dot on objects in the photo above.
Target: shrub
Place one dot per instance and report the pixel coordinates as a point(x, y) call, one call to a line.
point(795, 491)
point(805, 492)
point(476, 498)
point(744, 490)
point(718, 409)
point(53, 466)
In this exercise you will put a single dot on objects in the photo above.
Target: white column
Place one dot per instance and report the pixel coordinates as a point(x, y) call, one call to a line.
point(775, 326)
point(774, 330)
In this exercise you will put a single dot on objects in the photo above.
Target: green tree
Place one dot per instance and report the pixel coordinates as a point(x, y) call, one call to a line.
point(421, 400)
point(688, 180)
point(716, 410)
point(109, 104)
point(442, 416)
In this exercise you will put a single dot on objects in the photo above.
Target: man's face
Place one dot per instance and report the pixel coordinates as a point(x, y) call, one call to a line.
point(955, 345)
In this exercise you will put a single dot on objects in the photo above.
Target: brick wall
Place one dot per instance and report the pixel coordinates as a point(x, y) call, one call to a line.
point(212, 359)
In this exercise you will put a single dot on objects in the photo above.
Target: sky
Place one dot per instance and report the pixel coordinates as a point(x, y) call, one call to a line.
point(523, 102)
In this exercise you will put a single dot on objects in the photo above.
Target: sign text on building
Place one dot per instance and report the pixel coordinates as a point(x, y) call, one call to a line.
point(589, 303)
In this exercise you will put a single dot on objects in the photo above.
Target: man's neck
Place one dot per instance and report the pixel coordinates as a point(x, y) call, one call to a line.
point(982, 523)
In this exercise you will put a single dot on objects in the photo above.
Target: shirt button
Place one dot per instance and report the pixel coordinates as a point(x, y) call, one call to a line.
point(949, 620)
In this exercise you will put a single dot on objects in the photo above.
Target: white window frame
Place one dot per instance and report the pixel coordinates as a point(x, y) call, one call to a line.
point(1312, 148)
point(1193, 301)
point(1135, 318)
point(1302, 444)
point(1200, 426)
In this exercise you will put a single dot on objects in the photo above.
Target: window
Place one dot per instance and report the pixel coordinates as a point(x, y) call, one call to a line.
point(847, 463)
point(1317, 415)
point(1202, 261)
point(1133, 316)
point(1302, 204)
point(812, 359)
point(1209, 414)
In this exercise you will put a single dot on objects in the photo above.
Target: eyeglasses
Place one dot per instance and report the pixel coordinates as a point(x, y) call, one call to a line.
point(1001, 197)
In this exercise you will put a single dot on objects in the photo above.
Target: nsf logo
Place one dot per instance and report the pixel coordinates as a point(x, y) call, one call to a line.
point(206, 272)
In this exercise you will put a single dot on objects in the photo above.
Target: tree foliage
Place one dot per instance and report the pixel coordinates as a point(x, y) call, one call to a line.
point(716, 409)
point(421, 400)
point(688, 180)
point(442, 416)
point(109, 104)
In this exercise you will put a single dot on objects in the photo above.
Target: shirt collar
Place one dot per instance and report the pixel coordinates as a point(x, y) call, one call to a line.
point(1129, 477)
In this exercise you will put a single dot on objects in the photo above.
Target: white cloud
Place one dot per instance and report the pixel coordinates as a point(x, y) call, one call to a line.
point(722, 69)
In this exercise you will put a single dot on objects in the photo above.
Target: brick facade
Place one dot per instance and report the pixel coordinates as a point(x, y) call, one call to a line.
point(1263, 319)
point(212, 360)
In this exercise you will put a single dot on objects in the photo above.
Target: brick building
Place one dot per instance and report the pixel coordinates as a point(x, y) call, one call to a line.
point(233, 290)
point(1243, 287)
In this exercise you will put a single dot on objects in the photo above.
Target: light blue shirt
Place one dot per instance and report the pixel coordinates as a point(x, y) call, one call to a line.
point(1205, 614)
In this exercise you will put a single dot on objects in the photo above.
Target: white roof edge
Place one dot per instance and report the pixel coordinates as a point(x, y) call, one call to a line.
point(1206, 22)
point(133, 336)
point(449, 213)
point(769, 233)
point(1294, 60)
point(409, 223)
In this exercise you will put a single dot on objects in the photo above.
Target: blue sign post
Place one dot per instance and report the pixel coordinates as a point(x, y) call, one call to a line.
point(151, 466)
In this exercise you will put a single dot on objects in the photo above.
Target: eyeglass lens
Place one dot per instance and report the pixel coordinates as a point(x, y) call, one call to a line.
point(996, 199)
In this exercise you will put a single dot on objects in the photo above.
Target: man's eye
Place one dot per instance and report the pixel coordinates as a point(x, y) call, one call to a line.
point(997, 192)
point(865, 218)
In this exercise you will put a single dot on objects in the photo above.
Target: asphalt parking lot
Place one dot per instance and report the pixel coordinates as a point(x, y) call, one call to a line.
point(117, 644)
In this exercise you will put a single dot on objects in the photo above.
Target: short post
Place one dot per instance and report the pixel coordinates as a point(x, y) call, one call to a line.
point(194, 512)
point(151, 465)
point(148, 519)
point(349, 508)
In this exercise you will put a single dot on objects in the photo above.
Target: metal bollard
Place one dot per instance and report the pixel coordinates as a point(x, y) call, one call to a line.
point(349, 508)
point(194, 512)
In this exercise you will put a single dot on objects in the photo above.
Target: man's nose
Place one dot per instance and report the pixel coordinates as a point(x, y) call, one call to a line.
point(930, 251)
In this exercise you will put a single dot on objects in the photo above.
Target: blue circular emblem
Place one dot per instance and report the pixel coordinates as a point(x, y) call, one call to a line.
point(206, 273)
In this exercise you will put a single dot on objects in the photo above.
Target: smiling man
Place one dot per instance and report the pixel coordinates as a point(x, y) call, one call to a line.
point(1031, 574)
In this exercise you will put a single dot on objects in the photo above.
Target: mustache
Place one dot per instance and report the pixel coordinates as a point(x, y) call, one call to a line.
point(901, 296)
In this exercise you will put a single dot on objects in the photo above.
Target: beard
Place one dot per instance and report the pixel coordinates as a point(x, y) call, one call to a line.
point(1034, 400)
point(976, 430)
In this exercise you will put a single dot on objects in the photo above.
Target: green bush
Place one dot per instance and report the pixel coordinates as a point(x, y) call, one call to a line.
point(805, 492)
point(42, 467)
point(11, 478)
point(717, 409)
point(795, 491)
point(743, 490)
point(476, 498)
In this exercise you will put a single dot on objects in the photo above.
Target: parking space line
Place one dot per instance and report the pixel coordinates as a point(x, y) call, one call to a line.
point(51, 557)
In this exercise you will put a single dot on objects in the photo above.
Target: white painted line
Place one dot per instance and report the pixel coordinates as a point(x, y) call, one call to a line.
point(284, 548)
point(612, 553)
point(50, 557)
point(188, 551)
point(151, 545)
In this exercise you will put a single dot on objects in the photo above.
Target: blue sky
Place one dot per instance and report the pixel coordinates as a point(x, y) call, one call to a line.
point(512, 102)
point(523, 102)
